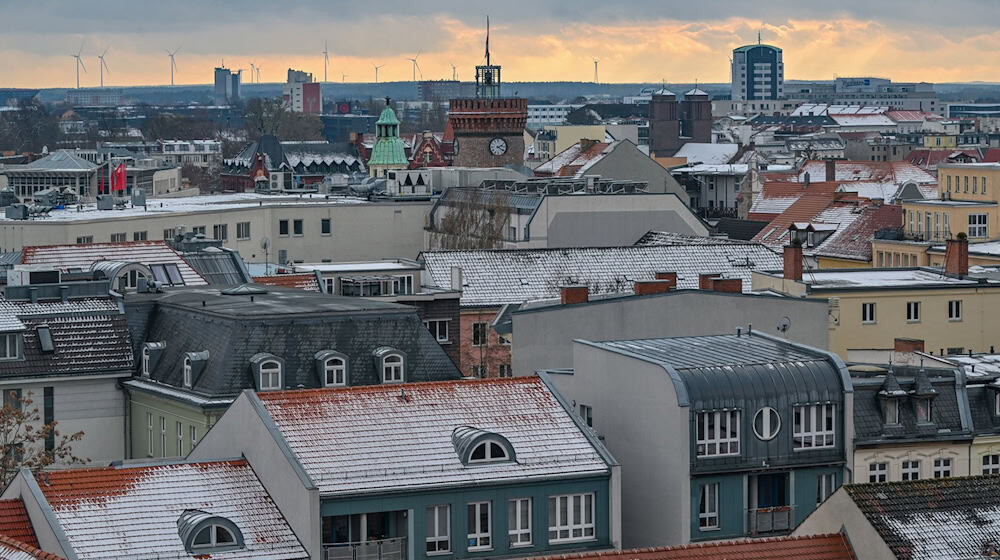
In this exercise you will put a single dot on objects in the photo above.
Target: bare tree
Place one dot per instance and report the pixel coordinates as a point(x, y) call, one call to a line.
point(23, 436)
point(469, 225)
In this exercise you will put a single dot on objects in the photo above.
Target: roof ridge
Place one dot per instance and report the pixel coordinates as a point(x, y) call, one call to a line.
point(696, 546)
point(277, 395)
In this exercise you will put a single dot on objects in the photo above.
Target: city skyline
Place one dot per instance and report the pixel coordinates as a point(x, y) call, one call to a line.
point(644, 42)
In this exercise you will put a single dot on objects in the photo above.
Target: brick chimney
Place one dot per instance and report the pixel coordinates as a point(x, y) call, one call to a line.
point(574, 293)
point(728, 285)
point(705, 280)
point(956, 256)
point(908, 345)
point(793, 262)
point(647, 287)
point(671, 276)
point(831, 170)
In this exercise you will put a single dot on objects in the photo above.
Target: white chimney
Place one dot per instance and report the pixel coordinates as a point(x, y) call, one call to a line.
point(456, 278)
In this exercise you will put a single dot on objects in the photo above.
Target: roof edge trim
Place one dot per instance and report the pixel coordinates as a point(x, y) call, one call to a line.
point(279, 439)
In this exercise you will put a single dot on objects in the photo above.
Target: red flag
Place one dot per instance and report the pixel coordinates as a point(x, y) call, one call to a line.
point(118, 180)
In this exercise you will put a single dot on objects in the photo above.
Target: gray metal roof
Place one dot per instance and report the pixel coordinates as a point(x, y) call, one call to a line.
point(219, 267)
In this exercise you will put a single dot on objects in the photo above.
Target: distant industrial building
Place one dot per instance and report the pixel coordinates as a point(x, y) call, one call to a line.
point(957, 110)
point(302, 94)
point(757, 73)
point(94, 97)
point(442, 90)
point(882, 92)
point(227, 86)
point(540, 116)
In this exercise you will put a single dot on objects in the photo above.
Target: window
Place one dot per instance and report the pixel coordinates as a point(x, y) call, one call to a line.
point(766, 423)
point(519, 522)
point(571, 518)
point(282, 227)
point(868, 313)
point(983, 183)
point(942, 468)
point(296, 227)
point(8, 347)
point(163, 436)
point(991, 464)
point(334, 373)
point(169, 234)
point(149, 434)
point(891, 411)
point(213, 536)
point(587, 414)
point(708, 507)
point(324, 226)
point(480, 333)
point(502, 341)
point(180, 439)
point(479, 526)
point(194, 436)
point(220, 231)
point(140, 235)
point(825, 485)
point(479, 371)
point(167, 274)
point(505, 371)
point(392, 369)
point(878, 472)
point(949, 183)
point(489, 451)
point(438, 328)
point(975, 184)
point(913, 311)
point(198, 229)
point(270, 376)
point(911, 470)
point(242, 230)
point(813, 426)
point(966, 181)
point(718, 433)
point(119, 237)
point(438, 529)
point(84, 239)
point(955, 310)
point(925, 412)
point(977, 225)
point(187, 372)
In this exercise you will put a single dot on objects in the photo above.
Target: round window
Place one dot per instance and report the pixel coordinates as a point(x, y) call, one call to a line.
point(766, 423)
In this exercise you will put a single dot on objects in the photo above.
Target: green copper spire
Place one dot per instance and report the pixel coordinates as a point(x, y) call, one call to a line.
point(388, 152)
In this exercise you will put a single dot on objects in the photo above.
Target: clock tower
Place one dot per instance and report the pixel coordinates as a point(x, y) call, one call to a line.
point(489, 128)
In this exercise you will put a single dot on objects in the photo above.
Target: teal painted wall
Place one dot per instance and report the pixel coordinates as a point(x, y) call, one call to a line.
point(732, 506)
point(806, 484)
point(539, 492)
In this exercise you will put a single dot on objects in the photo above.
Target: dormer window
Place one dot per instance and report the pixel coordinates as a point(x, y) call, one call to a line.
point(996, 404)
point(488, 451)
point(334, 373)
point(45, 342)
point(187, 372)
point(891, 411)
point(151, 352)
point(392, 369)
point(270, 376)
point(203, 533)
point(10, 346)
point(479, 446)
point(925, 410)
point(145, 361)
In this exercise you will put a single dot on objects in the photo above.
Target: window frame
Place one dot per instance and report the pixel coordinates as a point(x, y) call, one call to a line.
point(909, 469)
point(891, 412)
point(11, 347)
point(943, 467)
point(981, 225)
point(488, 445)
point(803, 431)
point(283, 228)
point(328, 368)
point(955, 310)
point(271, 371)
point(163, 436)
point(186, 373)
point(397, 365)
point(180, 439)
point(242, 231)
point(826, 485)
point(991, 463)
point(765, 412)
point(515, 525)
point(325, 227)
point(557, 524)
point(504, 371)
point(478, 534)
point(480, 338)
point(213, 529)
point(913, 312)
point(878, 472)
point(709, 435)
point(149, 434)
point(436, 331)
point(869, 313)
point(438, 538)
point(925, 413)
point(298, 227)
point(708, 507)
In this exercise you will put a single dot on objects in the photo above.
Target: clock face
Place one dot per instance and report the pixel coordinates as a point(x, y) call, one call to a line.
point(498, 146)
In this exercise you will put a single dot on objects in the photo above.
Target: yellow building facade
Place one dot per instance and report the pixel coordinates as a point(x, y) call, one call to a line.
point(940, 141)
point(922, 453)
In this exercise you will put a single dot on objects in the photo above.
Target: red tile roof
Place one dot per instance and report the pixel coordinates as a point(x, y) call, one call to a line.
point(930, 159)
point(855, 241)
point(306, 282)
point(14, 522)
point(816, 547)
point(16, 550)
point(992, 155)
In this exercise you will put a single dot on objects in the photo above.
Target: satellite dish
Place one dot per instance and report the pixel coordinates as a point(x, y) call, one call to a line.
point(784, 324)
point(265, 243)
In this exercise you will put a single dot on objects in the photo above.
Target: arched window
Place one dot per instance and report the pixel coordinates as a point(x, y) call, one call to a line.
point(392, 369)
point(213, 536)
point(187, 372)
point(270, 376)
point(488, 451)
point(334, 373)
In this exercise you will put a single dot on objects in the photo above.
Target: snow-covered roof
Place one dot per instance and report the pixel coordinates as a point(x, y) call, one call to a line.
point(83, 255)
point(348, 267)
point(496, 277)
point(989, 248)
point(384, 438)
point(307, 159)
point(771, 205)
point(862, 119)
point(703, 152)
point(133, 512)
point(715, 169)
point(886, 278)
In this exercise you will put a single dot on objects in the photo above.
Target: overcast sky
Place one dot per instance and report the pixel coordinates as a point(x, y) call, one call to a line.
point(635, 40)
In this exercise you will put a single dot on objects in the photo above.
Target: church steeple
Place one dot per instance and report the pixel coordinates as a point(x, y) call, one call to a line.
point(388, 151)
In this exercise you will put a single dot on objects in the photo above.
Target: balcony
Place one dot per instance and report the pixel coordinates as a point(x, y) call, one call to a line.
point(770, 520)
point(383, 549)
point(939, 235)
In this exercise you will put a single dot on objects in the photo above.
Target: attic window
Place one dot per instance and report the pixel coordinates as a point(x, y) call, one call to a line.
point(145, 361)
point(476, 446)
point(270, 376)
point(392, 368)
point(187, 372)
point(334, 372)
point(45, 339)
point(203, 532)
point(488, 451)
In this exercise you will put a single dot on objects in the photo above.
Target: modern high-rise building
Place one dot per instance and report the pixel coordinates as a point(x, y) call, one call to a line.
point(757, 73)
point(302, 94)
point(227, 86)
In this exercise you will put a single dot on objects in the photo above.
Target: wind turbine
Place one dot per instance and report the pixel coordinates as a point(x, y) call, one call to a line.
point(258, 74)
point(416, 66)
point(326, 59)
point(252, 70)
point(454, 71)
point(595, 71)
point(79, 63)
point(173, 63)
point(343, 78)
point(376, 71)
point(103, 65)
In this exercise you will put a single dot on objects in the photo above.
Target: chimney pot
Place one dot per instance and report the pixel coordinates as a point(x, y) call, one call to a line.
point(793, 262)
point(908, 345)
point(574, 293)
point(671, 276)
point(956, 257)
point(705, 280)
point(647, 287)
point(831, 170)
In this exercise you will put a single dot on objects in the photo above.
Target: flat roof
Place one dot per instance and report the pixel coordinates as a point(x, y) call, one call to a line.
point(357, 266)
point(950, 202)
point(883, 278)
point(984, 165)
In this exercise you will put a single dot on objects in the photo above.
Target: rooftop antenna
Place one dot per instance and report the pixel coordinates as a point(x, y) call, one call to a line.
point(103, 65)
point(377, 66)
point(487, 39)
point(326, 59)
point(758, 35)
point(595, 71)
point(79, 63)
point(416, 67)
point(173, 63)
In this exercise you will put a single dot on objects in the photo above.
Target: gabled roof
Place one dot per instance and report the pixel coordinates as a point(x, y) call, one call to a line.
point(496, 277)
point(12, 549)
point(15, 523)
point(83, 255)
point(571, 160)
point(117, 512)
point(813, 547)
point(933, 518)
point(387, 438)
point(61, 160)
point(305, 282)
point(855, 240)
point(270, 147)
point(703, 152)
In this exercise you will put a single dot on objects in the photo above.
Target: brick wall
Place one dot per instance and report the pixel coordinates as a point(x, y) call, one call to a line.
point(491, 355)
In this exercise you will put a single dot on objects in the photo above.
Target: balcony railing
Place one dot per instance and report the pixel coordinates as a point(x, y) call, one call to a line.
point(384, 549)
point(770, 520)
point(929, 235)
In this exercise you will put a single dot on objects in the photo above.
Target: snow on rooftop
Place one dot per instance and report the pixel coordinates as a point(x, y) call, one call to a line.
point(84, 255)
point(355, 266)
point(703, 152)
point(771, 205)
point(882, 278)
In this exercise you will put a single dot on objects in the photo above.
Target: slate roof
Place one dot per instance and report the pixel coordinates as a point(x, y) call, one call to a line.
point(14, 522)
point(289, 323)
point(269, 146)
point(82, 256)
point(704, 152)
point(90, 336)
point(136, 509)
point(739, 229)
point(306, 282)
point(933, 518)
point(386, 438)
point(60, 160)
point(813, 547)
point(981, 407)
point(950, 423)
point(496, 277)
